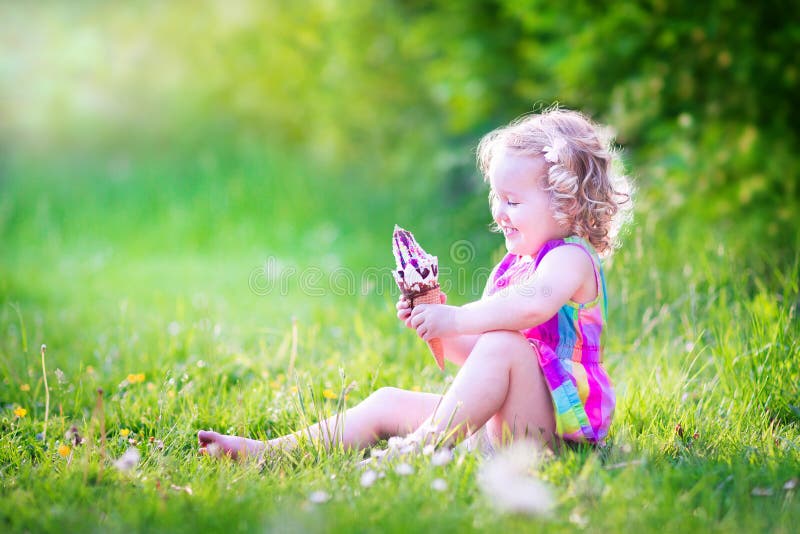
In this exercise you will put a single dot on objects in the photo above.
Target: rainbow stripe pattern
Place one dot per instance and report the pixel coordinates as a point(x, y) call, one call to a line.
point(569, 348)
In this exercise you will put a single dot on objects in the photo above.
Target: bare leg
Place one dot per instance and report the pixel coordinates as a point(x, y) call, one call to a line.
point(386, 412)
point(500, 385)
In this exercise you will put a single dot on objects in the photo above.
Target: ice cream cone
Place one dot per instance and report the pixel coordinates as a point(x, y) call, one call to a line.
point(417, 277)
point(432, 296)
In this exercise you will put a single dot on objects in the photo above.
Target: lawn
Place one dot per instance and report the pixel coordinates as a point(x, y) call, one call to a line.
point(157, 285)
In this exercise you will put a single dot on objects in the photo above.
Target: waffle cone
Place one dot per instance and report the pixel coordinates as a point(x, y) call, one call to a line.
point(432, 296)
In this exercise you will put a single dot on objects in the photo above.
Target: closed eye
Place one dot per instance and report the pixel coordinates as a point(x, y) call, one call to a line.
point(512, 204)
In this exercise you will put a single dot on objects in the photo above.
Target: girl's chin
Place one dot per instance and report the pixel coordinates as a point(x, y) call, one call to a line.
point(515, 247)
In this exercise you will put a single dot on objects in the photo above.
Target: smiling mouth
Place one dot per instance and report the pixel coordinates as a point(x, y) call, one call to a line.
point(507, 230)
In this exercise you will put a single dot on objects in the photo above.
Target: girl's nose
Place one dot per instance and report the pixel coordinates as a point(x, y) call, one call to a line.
point(499, 213)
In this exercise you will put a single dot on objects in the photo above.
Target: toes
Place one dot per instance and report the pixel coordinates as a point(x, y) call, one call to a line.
point(204, 437)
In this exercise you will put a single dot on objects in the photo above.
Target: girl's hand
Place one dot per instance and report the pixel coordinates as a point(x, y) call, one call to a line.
point(433, 321)
point(404, 309)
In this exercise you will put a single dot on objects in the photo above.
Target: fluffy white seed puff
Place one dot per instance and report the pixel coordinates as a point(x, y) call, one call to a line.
point(319, 497)
point(129, 460)
point(507, 482)
point(368, 478)
point(441, 457)
point(438, 484)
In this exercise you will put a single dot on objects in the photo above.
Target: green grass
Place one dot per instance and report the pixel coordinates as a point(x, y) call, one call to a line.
point(146, 271)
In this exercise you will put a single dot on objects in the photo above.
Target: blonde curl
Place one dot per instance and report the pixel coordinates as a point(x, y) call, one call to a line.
point(590, 195)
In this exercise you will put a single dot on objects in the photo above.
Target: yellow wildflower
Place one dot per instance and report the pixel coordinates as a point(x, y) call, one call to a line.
point(293, 389)
point(25, 387)
point(89, 370)
point(415, 388)
point(171, 394)
point(274, 384)
point(124, 432)
point(151, 386)
point(63, 450)
point(20, 412)
point(329, 394)
point(135, 378)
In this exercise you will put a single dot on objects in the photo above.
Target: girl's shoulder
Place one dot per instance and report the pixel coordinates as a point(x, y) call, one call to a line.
point(575, 241)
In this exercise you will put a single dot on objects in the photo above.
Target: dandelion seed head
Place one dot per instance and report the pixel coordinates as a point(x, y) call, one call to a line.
point(319, 497)
point(368, 478)
point(406, 449)
point(507, 482)
point(413, 439)
point(395, 442)
point(438, 484)
point(404, 469)
point(129, 460)
point(442, 457)
point(174, 328)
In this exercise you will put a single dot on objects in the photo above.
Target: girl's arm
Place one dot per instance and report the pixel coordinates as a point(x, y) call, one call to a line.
point(559, 276)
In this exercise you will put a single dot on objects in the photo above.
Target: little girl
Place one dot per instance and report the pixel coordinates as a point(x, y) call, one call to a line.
point(530, 350)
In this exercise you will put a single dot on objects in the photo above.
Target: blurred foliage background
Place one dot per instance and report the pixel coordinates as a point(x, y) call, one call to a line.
point(250, 125)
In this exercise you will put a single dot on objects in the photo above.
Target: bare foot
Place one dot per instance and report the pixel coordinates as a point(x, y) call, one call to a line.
point(216, 444)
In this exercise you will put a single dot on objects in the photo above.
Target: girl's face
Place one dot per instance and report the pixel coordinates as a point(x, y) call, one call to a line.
point(520, 207)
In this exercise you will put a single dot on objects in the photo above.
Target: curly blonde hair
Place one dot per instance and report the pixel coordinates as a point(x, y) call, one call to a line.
point(589, 193)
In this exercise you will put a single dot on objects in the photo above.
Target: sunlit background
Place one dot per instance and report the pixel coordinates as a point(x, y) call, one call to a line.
point(196, 205)
point(250, 125)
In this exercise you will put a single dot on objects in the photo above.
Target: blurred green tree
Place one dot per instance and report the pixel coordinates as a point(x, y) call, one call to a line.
point(396, 94)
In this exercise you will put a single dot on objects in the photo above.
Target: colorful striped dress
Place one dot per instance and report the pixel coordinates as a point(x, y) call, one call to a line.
point(570, 349)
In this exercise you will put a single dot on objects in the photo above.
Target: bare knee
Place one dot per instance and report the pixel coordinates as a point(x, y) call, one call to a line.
point(384, 400)
point(502, 346)
point(385, 396)
point(393, 411)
